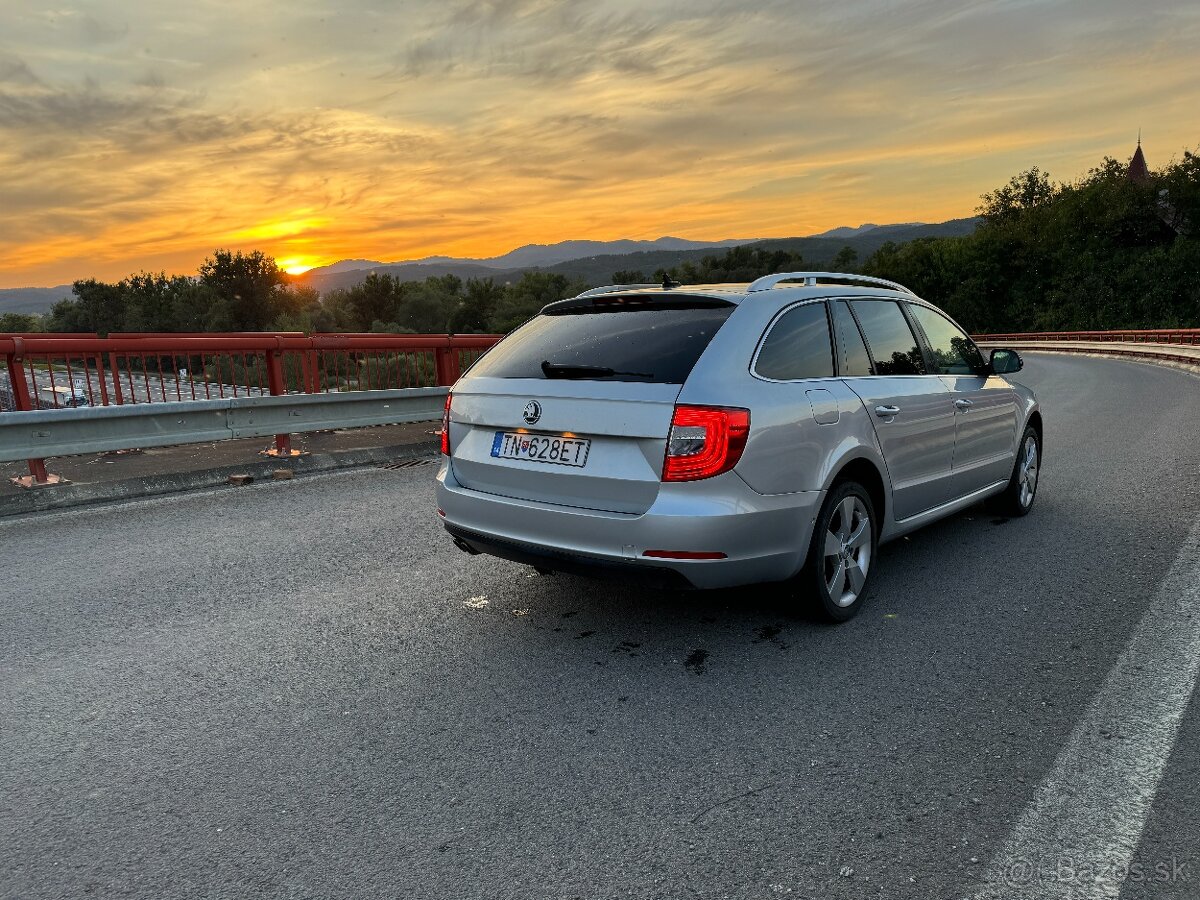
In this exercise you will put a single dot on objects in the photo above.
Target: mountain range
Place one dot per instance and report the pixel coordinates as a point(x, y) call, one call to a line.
point(593, 262)
point(598, 265)
point(31, 300)
point(536, 256)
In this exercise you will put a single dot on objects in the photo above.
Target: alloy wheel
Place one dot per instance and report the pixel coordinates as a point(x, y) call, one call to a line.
point(847, 551)
point(1027, 474)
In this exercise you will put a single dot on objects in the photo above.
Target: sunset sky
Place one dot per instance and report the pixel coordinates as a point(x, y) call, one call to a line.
point(142, 135)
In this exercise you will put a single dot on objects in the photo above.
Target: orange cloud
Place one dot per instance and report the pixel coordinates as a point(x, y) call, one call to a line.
point(145, 144)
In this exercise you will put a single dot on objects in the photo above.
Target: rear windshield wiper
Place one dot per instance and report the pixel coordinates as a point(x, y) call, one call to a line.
point(565, 370)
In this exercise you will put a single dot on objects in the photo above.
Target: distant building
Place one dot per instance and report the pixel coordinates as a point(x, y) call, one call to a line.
point(1138, 172)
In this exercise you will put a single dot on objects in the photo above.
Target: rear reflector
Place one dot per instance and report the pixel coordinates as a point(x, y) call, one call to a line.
point(705, 441)
point(682, 554)
point(446, 428)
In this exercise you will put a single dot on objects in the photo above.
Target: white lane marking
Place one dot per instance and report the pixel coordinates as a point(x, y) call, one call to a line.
point(1077, 837)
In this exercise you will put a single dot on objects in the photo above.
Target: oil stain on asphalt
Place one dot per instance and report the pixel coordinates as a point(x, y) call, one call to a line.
point(696, 660)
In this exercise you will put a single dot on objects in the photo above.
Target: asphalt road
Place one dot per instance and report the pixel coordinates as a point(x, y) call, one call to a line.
point(294, 689)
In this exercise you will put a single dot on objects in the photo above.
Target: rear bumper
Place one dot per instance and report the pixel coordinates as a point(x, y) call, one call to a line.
point(572, 564)
point(764, 538)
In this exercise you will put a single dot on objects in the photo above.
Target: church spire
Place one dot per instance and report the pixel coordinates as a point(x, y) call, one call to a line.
point(1138, 172)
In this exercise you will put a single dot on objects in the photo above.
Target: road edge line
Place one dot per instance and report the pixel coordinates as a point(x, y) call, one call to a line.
point(1078, 835)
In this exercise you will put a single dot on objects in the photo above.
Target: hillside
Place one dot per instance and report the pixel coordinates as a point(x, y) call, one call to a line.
point(548, 255)
point(599, 269)
point(31, 300)
point(817, 251)
point(823, 248)
point(325, 280)
point(531, 256)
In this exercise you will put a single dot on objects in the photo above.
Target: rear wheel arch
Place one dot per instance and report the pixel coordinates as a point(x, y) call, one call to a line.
point(866, 473)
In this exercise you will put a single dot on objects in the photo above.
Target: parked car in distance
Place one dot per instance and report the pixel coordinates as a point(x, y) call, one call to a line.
point(716, 435)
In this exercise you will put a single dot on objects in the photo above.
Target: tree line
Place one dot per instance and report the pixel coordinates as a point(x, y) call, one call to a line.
point(1102, 252)
point(234, 291)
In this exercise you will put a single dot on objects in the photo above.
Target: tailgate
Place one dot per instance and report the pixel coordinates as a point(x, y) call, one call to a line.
point(624, 425)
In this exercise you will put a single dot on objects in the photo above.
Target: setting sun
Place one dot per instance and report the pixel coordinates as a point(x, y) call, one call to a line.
point(295, 265)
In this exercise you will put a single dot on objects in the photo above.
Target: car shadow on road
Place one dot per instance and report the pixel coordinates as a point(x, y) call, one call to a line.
point(606, 622)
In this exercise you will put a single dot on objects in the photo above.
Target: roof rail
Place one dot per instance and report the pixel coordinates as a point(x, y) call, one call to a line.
point(810, 279)
point(613, 288)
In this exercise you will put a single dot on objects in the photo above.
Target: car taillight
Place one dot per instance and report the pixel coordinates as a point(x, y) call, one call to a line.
point(704, 441)
point(446, 428)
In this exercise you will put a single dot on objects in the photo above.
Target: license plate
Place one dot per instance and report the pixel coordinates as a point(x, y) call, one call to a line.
point(543, 448)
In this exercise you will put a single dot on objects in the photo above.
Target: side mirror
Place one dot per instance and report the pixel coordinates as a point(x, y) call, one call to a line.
point(1005, 362)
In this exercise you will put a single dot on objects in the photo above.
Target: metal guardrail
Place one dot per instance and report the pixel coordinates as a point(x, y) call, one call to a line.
point(66, 432)
point(63, 372)
point(1179, 347)
point(1178, 355)
point(1129, 336)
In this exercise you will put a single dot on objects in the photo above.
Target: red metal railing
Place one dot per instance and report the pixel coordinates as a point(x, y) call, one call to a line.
point(1135, 336)
point(48, 371)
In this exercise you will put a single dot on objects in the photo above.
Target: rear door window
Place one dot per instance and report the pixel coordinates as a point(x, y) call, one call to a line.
point(608, 341)
point(894, 349)
point(855, 359)
point(797, 346)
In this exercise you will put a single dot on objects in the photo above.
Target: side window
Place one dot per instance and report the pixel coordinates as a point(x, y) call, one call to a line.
point(894, 350)
point(953, 352)
point(797, 346)
point(855, 359)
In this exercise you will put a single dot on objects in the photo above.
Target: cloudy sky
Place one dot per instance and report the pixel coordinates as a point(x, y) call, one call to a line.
point(142, 135)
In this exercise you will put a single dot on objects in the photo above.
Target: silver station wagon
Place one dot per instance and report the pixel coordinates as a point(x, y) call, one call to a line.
point(721, 435)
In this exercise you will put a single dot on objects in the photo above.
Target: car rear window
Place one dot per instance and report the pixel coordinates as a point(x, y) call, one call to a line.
point(608, 342)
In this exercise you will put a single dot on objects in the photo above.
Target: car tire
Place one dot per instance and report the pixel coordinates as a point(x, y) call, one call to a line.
point(844, 542)
point(1018, 496)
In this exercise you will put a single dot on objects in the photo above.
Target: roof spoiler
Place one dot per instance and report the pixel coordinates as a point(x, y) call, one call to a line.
point(614, 288)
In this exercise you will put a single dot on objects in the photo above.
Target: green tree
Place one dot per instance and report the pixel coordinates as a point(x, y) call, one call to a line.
point(846, 260)
point(737, 264)
point(247, 288)
point(1103, 252)
point(16, 322)
point(474, 310)
point(374, 299)
point(65, 315)
point(336, 313)
point(1026, 191)
point(97, 307)
point(158, 302)
point(533, 291)
point(427, 307)
point(304, 310)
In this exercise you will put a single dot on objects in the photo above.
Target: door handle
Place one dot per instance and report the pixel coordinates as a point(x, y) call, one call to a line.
point(885, 412)
point(963, 403)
